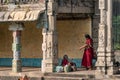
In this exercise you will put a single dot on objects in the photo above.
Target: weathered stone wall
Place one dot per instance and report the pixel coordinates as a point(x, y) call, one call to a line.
point(95, 24)
point(5, 41)
point(95, 20)
point(75, 6)
point(87, 7)
point(70, 38)
point(70, 34)
point(31, 41)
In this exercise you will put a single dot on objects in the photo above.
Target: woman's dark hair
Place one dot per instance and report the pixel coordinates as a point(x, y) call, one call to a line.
point(65, 56)
point(87, 36)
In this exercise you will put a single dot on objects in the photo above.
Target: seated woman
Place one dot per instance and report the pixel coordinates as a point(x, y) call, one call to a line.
point(65, 60)
point(67, 63)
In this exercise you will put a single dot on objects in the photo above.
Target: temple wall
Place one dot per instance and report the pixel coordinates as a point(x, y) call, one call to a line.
point(31, 41)
point(5, 41)
point(70, 35)
point(70, 38)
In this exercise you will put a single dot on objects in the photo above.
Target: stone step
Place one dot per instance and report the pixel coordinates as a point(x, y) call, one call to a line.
point(9, 77)
point(17, 78)
point(63, 78)
point(43, 78)
point(69, 75)
point(116, 77)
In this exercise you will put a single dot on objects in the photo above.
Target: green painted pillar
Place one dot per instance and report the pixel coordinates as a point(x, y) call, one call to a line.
point(16, 47)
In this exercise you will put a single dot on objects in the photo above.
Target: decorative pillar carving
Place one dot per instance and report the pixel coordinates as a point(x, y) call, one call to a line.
point(105, 60)
point(50, 43)
point(109, 49)
point(16, 46)
point(50, 51)
point(51, 12)
point(44, 49)
point(101, 63)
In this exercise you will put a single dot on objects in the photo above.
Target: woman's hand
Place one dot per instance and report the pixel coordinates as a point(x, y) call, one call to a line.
point(83, 46)
point(80, 48)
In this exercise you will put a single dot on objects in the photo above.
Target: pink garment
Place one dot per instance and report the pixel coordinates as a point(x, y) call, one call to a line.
point(88, 54)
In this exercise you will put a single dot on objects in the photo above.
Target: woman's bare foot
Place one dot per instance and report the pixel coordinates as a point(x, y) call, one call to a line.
point(88, 69)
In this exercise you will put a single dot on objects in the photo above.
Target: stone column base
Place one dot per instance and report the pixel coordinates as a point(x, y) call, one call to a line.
point(99, 74)
point(16, 66)
point(48, 66)
point(112, 70)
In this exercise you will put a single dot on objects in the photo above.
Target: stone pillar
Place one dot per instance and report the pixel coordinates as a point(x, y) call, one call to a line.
point(44, 49)
point(105, 60)
point(50, 43)
point(16, 47)
point(52, 11)
point(109, 48)
point(101, 61)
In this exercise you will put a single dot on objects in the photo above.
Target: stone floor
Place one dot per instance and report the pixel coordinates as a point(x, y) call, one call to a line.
point(32, 72)
point(36, 74)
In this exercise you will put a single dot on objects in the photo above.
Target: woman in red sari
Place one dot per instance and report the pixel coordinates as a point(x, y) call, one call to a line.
point(88, 53)
point(65, 60)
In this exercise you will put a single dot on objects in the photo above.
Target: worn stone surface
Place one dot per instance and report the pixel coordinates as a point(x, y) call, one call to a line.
point(105, 58)
point(117, 56)
point(36, 74)
point(16, 47)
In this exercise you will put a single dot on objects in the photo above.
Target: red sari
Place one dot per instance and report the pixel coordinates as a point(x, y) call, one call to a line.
point(64, 62)
point(88, 54)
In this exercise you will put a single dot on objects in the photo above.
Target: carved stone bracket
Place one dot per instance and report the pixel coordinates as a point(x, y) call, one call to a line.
point(102, 4)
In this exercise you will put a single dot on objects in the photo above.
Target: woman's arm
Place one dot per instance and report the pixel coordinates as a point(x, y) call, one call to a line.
point(83, 46)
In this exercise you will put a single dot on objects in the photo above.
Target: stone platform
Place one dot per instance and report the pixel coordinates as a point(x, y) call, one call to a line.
point(36, 74)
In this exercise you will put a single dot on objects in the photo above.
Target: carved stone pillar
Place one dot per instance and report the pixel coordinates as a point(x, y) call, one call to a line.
point(52, 11)
point(50, 43)
point(101, 61)
point(49, 48)
point(109, 49)
point(16, 47)
point(105, 60)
